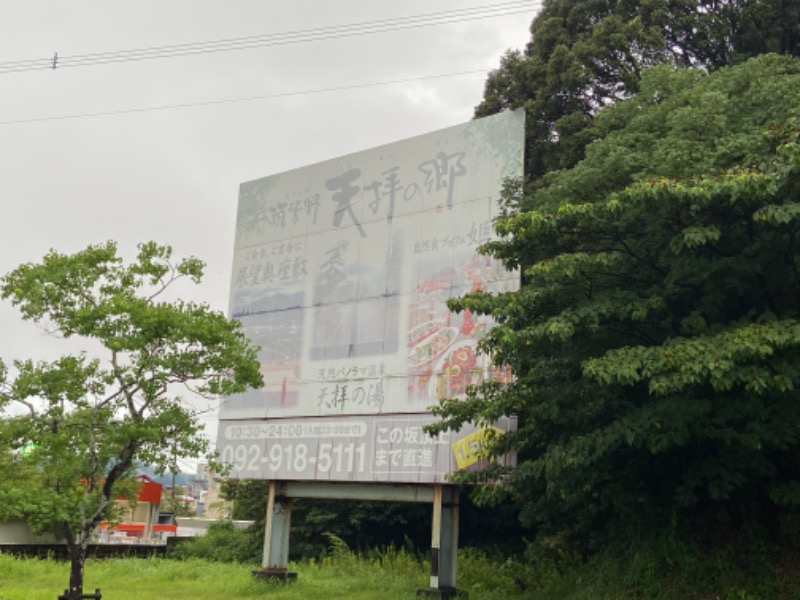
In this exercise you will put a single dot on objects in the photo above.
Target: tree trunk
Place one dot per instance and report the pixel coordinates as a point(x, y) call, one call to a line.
point(77, 556)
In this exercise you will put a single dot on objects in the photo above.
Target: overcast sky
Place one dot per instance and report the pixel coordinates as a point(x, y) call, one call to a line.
point(172, 175)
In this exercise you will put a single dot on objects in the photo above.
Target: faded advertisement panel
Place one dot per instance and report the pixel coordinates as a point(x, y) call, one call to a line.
point(390, 448)
point(341, 273)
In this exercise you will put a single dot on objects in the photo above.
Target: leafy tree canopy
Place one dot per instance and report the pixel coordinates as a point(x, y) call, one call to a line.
point(655, 341)
point(72, 429)
point(586, 54)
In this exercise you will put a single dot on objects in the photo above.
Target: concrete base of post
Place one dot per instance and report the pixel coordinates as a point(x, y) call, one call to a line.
point(96, 596)
point(444, 592)
point(276, 574)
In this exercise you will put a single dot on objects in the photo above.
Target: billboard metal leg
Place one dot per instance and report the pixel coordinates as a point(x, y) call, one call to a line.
point(444, 544)
point(275, 561)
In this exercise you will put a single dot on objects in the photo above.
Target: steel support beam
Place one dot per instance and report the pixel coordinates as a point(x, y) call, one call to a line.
point(444, 526)
point(275, 561)
point(334, 490)
point(444, 544)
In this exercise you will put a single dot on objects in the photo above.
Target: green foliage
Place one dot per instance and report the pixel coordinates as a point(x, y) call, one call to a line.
point(488, 577)
point(89, 417)
point(658, 567)
point(248, 496)
point(365, 525)
point(179, 507)
point(386, 568)
point(586, 54)
point(192, 579)
point(339, 572)
point(359, 524)
point(655, 340)
point(223, 542)
point(665, 565)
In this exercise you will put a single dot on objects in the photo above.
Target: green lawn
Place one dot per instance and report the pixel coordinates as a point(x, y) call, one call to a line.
point(389, 575)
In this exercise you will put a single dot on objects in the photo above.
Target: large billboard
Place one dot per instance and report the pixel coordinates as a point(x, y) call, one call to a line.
point(341, 273)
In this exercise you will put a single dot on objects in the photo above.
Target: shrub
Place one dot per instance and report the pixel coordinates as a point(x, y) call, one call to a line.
point(223, 542)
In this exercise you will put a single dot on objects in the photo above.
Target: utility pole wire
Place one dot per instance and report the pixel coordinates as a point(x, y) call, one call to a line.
point(283, 38)
point(237, 100)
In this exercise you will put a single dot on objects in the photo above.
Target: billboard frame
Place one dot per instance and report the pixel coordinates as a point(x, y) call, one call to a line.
point(444, 524)
point(309, 453)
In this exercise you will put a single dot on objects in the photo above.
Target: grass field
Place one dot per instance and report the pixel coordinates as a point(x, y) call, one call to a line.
point(388, 575)
point(647, 573)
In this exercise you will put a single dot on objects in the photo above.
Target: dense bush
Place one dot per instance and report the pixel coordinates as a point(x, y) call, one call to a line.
point(223, 542)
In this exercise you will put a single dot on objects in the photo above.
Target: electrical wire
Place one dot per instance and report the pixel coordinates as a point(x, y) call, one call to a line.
point(276, 39)
point(243, 99)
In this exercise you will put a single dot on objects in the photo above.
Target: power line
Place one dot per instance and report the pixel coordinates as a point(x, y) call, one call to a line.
point(276, 39)
point(237, 100)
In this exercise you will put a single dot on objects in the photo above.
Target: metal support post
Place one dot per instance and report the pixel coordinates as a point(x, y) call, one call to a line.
point(275, 561)
point(444, 544)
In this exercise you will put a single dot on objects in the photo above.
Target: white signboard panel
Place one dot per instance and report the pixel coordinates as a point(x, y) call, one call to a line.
point(341, 273)
point(386, 448)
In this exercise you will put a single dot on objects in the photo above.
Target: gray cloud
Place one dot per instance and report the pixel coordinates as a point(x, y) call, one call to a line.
point(173, 175)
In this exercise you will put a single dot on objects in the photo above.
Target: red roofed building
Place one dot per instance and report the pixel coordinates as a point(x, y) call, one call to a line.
point(140, 520)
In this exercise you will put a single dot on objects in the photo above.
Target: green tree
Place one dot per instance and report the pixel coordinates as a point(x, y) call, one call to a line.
point(587, 54)
point(90, 417)
point(655, 341)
